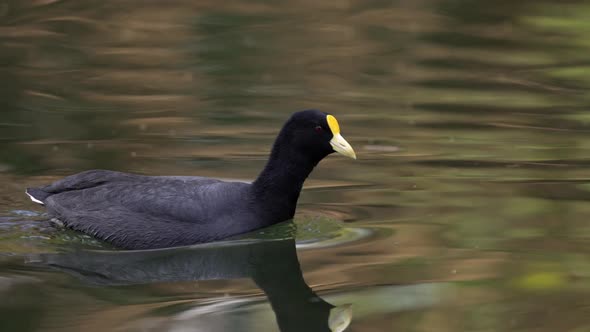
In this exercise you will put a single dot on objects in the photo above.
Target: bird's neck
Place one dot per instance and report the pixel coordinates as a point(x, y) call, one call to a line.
point(282, 178)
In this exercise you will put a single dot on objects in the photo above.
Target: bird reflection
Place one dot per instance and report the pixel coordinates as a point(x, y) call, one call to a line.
point(271, 264)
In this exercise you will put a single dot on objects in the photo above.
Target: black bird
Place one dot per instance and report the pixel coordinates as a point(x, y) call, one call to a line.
point(143, 212)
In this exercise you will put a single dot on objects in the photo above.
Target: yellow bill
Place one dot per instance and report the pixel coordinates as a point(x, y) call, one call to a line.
point(338, 143)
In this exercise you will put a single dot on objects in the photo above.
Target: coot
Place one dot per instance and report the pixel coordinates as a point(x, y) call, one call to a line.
point(143, 212)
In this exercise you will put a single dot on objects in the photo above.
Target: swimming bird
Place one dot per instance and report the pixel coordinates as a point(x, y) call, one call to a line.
point(134, 211)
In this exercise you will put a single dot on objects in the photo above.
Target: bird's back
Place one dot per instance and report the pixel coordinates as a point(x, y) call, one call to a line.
point(134, 211)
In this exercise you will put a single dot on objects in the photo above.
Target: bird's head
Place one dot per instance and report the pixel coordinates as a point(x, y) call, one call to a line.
point(316, 133)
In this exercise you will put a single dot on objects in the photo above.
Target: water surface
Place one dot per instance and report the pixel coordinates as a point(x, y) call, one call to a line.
point(466, 210)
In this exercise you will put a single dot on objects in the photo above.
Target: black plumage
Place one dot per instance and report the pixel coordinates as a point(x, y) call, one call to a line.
point(141, 212)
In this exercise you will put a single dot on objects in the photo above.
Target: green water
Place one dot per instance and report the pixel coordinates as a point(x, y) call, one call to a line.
point(465, 211)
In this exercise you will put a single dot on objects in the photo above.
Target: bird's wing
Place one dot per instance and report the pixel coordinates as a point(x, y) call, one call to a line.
point(95, 178)
point(130, 230)
point(151, 212)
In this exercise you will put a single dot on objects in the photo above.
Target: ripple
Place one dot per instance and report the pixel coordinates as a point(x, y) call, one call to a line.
point(345, 236)
point(25, 213)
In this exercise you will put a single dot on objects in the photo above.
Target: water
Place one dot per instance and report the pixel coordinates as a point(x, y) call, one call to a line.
point(466, 210)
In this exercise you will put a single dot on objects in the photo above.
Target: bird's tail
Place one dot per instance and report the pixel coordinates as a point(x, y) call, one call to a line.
point(37, 195)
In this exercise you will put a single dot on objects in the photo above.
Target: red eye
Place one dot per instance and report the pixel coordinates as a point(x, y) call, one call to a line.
point(318, 129)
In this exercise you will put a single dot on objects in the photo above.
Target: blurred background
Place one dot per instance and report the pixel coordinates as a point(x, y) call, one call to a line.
point(465, 211)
